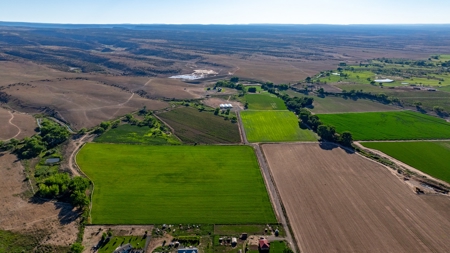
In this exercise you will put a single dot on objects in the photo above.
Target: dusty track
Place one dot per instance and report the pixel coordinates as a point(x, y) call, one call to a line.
point(341, 202)
point(273, 193)
point(10, 122)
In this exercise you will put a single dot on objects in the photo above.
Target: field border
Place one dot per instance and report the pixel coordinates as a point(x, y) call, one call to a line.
point(288, 229)
point(400, 163)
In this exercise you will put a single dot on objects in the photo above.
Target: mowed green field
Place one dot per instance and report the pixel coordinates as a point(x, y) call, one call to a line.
point(274, 126)
point(137, 184)
point(403, 125)
point(432, 158)
point(264, 101)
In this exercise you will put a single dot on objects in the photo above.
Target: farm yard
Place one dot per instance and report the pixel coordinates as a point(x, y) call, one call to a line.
point(137, 184)
point(403, 125)
point(274, 126)
point(353, 204)
point(193, 126)
point(264, 101)
point(431, 157)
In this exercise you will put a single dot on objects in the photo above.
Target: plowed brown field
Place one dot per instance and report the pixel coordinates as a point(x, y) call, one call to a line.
point(340, 202)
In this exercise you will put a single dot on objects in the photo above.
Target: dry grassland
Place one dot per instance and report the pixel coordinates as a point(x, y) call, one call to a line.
point(340, 202)
point(16, 72)
point(19, 214)
point(82, 103)
point(16, 125)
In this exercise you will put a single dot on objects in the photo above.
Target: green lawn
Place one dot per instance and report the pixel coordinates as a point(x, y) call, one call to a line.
point(278, 247)
point(193, 126)
point(137, 184)
point(137, 242)
point(274, 126)
point(403, 125)
point(135, 134)
point(264, 101)
point(432, 158)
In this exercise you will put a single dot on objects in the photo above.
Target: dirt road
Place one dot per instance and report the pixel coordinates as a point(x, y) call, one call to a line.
point(241, 128)
point(10, 122)
point(273, 193)
point(74, 148)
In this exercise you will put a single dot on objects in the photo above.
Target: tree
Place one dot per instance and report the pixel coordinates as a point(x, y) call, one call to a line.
point(128, 117)
point(76, 248)
point(252, 89)
point(234, 79)
point(105, 125)
point(346, 139)
point(143, 111)
point(79, 199)
point(326, 132)
point(227, 112)
point(82, 131)
point(99, 130)
point(216, 111)
point(115, 124)
point(308, 79)
point(32, 147)
point(418, 104)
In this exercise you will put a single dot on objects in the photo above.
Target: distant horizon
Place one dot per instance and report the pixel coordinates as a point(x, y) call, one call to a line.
point(231, 24)
point(231, 12)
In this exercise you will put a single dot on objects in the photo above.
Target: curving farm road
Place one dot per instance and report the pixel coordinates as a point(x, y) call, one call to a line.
point(10, 122)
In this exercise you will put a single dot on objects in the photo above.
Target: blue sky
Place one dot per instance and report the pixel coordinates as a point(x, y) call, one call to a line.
point(227, 11)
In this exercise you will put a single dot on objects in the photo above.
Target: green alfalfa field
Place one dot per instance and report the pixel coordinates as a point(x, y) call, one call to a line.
point(401, 125)
point(274, 126)
point(140, 184)
point(430, 157)
point(264, 101)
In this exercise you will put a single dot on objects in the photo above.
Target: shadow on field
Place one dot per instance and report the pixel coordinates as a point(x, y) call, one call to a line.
point(331, 146)
point(66, 212)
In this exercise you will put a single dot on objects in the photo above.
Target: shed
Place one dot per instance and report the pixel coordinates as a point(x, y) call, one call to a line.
point(233, 241)
point(384, 81)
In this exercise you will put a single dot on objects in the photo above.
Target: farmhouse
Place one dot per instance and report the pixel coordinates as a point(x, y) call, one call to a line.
point(264, 245)
point(384, 81)
point(188, 250)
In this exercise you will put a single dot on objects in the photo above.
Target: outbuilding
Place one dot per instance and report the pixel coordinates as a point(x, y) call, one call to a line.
point(384, 81)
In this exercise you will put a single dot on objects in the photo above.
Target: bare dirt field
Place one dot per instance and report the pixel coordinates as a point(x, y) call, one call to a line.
point(20, 214)
point(341, 202)
point(16, 125)
point(82, 103)
point(25, 71)
point(93, 234)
